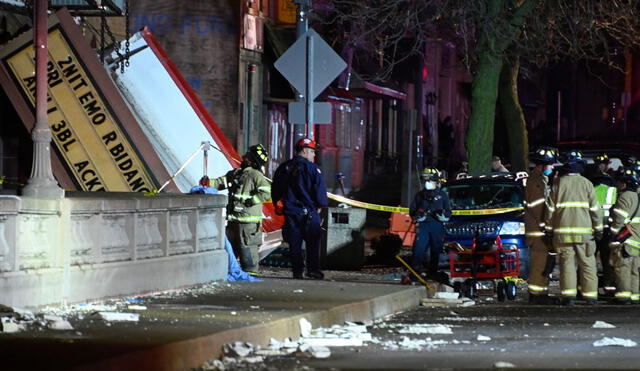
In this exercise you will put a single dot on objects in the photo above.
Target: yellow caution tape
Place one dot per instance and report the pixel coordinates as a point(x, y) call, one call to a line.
point(364, 205)
point(398, 209)
point(486, 211)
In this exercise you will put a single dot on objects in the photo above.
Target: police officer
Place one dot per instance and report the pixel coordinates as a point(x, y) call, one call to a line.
point(572, 221)
point(605, 187)
point(299, 185)
point(625, 256)
point(537, 193)
point(248, 189)
point(429, 209)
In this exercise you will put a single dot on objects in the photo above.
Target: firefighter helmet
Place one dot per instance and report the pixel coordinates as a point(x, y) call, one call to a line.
point(544, 155)
point(629, 177)
point(258, 154)
point(430, 173)
point(573, 156)
point(602, 158)
point(306, 143)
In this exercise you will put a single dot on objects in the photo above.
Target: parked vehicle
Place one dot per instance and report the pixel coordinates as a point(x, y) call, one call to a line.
point(484, 207)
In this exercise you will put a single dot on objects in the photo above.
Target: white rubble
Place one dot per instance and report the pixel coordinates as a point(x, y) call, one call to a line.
point(119, 317)
point(9, 327)
point(483, 338)
point(237, 349)
point(305, 327)
point(320, 352)
point(446, 295)
point(426, 329)
point(60, 325)
point(501, 364)
point(614, 342)
point(602, 324)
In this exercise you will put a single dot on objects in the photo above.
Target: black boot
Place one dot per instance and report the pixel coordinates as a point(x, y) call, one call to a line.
point(315, 275)
point(542, 299)
point(568, 301)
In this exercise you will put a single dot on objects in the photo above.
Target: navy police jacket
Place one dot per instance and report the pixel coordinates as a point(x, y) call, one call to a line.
point(428, 203)
point(299, 183)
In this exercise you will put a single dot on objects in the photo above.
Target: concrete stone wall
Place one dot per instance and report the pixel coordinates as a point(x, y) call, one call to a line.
point(86, 247)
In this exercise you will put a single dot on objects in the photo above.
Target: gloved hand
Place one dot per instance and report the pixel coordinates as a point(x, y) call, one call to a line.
point(441, 217)
point(420, 218)
point(249, 202)
point(598, 235)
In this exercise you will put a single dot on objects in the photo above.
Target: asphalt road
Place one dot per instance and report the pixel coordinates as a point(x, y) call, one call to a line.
point(523, 335)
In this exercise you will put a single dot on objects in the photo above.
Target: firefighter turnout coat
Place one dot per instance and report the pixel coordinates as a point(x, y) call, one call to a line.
point(573, 216)
point(248, 189)
point(536, 193)
point(626, 266)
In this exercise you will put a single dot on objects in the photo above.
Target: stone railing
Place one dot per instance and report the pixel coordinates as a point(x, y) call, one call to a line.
point(87, 247)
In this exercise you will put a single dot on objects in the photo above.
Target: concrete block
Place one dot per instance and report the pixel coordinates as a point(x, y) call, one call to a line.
point(343, 241)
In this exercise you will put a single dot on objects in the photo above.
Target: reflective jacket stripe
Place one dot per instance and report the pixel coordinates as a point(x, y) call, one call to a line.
point(573, 204)
point(621, 212)
point(535, 203)
point(590, 294)
point(578, 230)
point(245, 219)
point(569, 292)
point(537, 289)
point(534, 234)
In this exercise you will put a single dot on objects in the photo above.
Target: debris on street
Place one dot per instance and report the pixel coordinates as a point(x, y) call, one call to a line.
point(503, 365)
point(627, 343)
point(602, 324)
point(119, 317)
point(446, 302)
point(483, 338)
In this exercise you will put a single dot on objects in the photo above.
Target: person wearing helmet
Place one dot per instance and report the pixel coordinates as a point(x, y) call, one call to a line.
point(248, 189)
point(625, 253)
point(536, 195)
point(429, 209)
point(572, 222)
point(605, 187)
point(298, 185)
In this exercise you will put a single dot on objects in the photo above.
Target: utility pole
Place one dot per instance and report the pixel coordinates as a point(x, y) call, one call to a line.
point(41, 183)
point(302, 26)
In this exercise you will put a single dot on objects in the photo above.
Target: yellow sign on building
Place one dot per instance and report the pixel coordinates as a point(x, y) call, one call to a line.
point(85, 131)
point(286, 12)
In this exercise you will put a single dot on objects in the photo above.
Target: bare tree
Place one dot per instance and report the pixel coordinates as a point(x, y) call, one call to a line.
point(493, 35)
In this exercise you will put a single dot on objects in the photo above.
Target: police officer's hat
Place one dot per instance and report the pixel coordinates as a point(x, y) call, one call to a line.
point(430, 173)
point(629, 177)
point(258, 154)
point(544, 155)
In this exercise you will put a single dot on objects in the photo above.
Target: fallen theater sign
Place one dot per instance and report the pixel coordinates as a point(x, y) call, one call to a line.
point(88, 134)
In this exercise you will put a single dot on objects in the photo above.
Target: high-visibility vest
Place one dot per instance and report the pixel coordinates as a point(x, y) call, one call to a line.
point(606, 197)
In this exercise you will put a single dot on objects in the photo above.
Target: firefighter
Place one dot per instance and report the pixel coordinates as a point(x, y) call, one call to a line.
point(429, 209)
point(605, 187)
point(571, 224)
point(536, 195)
point(248, 189)
point(625, 256)
point(299, 188)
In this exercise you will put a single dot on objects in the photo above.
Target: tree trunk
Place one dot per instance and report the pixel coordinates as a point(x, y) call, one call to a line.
point(484, 94)
point(513, 116)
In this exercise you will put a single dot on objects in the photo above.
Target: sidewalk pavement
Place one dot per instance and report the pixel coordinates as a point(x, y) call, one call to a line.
point(183, 329)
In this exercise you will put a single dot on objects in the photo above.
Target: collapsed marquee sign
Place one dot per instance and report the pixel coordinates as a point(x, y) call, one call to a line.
point(95, 135)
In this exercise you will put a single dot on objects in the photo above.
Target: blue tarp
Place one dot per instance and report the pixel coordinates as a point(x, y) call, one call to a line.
point(234, 273)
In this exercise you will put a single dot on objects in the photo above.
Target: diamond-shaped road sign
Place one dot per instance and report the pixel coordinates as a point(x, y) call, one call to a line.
point(327, 64)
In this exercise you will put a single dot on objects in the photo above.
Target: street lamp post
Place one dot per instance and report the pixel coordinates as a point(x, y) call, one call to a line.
point(41, 182)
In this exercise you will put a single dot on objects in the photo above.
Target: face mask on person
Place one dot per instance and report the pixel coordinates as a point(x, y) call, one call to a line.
point(429, 185)
point(547, 172)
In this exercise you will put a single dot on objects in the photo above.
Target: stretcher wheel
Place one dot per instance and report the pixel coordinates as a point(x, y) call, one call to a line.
point(501, 290)
point(512, 290)
point(470, 288)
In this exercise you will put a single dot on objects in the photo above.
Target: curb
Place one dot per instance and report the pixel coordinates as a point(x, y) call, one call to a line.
point(187, 354)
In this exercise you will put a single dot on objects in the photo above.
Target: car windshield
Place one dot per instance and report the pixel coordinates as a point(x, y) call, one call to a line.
point(484, 196)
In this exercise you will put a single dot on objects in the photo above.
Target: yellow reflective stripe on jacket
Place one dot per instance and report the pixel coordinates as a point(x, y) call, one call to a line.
point(590, 294)
point(264, 188)
point(242, 197)
point(579, 230)
point(621, 212)
point(535, 234)
point(623, 294)
point(573, 204)
point(536, 202)
point(537, 289)
point(633, 243)
point(244, 219)
point(611, 194)
point(569, 292)
point(635, 297)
